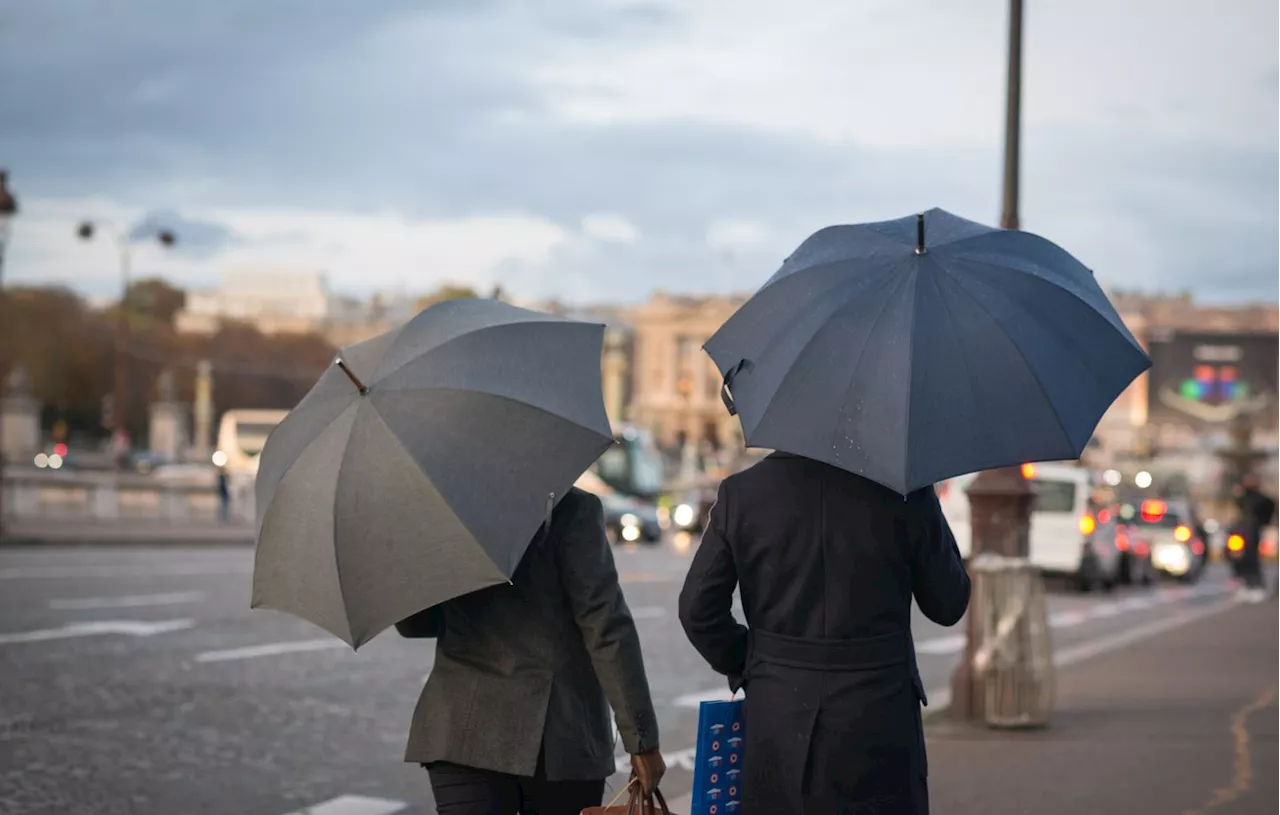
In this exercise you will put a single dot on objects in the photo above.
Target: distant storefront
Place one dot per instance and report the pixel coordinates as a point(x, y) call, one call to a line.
point(1204, 382)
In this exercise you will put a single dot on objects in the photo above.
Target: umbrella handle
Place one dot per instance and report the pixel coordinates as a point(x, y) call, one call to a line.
point(726, 394)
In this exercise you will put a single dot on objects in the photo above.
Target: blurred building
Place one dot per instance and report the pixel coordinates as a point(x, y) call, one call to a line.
point(1212, 366)
point(675, 387)
point(272, 301)
point(292, 302)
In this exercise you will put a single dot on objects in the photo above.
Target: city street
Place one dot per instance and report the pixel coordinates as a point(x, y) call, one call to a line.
point(137, 680)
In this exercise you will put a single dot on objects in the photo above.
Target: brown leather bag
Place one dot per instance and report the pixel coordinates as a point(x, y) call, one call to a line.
point(637, 803)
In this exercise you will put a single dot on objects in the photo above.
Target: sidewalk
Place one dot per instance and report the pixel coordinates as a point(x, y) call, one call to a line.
point(125, 531)
point(1182, 723)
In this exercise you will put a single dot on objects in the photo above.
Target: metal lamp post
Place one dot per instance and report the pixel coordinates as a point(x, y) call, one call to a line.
point(8, 209)
point(1000, 500)
point(164, 237)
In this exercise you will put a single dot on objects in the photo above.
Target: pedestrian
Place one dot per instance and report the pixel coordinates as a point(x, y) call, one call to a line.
point(1256, 511)
point(224, 495)
point(514, 717)
point(827, 563)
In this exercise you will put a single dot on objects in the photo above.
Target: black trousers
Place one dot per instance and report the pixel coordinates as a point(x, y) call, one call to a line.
point(463, 790)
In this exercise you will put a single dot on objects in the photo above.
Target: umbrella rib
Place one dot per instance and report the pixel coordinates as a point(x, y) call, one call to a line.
point(512, 399)
point(333, 519)
point(955, 333)
point(1034, 375)
point(804, 348)
point(1064, 339)
point(381, 375)
point(853, 377)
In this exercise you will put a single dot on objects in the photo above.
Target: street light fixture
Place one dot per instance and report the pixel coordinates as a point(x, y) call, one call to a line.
point(166, 238)
point(8, 209)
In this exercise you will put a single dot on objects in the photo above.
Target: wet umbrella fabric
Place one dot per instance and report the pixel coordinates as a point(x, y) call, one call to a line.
point(913, 350)
point(421, 467)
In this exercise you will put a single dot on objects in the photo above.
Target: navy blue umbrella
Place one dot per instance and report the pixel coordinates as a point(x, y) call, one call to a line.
point(914, 350)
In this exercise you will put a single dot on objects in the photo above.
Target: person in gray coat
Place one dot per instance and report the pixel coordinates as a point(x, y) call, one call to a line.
point(515, 714)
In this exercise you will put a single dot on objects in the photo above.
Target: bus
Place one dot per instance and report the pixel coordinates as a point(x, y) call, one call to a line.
point(241, 436)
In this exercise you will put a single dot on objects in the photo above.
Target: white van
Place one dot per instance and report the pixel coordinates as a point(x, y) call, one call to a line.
point(1070, 535)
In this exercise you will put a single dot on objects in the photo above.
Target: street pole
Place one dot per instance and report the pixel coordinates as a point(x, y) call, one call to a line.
point(119, 405)
point(1013, 120)
point(8, 209)
point(119, 414)
point(999, 500)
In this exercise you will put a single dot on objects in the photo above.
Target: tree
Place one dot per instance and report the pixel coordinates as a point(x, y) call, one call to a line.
point(155, 299)
point(448, 291)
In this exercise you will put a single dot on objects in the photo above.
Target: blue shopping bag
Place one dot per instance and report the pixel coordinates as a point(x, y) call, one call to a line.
point(718, 762)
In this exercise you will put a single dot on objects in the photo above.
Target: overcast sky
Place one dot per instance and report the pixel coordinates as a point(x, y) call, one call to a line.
point(599, 150)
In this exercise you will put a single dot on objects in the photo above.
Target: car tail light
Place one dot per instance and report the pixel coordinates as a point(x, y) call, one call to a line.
point(1235, 543)
point(1142, 549)
point(1122, 541)
point(1198, 548)
point(1153, 511)
point(1182, 534)
point(1104, 515)
point(1087, 525)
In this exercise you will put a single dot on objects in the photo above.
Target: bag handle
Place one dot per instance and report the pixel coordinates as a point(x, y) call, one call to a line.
point(641, 804)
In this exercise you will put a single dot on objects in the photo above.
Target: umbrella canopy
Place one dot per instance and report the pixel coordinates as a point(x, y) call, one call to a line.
point(422, 463)
point(913, 350)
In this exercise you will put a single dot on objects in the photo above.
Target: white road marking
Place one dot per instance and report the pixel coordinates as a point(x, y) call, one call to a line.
point(940, 699)
point(648, 612)
point(131, 628)
point(942, 645)
point(95, 572)
point(1104, 645)
point(269, 650)
point(127, 601)
point(354, 805)
point(1067, 619)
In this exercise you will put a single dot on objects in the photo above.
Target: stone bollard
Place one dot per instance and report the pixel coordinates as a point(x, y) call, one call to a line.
point(1000, 517)
point(106, 501)
point(1012, 660)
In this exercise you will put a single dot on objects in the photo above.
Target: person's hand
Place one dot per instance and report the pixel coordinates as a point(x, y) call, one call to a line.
point(648, 769)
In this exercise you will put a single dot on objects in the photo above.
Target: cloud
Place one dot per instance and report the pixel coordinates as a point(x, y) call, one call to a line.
point(1149, 142)
point(611, 228)
point(730, 235)
point(381, 250)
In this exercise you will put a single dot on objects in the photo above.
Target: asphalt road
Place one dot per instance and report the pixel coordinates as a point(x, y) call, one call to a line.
point(137, 680)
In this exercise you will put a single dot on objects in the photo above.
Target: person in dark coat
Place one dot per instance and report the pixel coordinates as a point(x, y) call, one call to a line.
point(514, 717)
point(827, 563)
point(1256, 511)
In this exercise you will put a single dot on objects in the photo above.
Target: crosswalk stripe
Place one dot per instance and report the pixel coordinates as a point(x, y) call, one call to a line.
point(354, 805)
point(270, 649)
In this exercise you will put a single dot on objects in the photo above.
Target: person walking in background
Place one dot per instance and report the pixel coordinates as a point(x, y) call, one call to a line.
point(1256, 511)
point(224, 495)
point(514, 717)
point(827, 563)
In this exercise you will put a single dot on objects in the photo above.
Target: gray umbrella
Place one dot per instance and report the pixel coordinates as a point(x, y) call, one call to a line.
point(423, 462)
point(910, 351)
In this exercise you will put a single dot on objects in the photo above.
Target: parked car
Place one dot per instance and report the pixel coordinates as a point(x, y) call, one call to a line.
point(1170, 531)
point(629, 521)
point(1071, 534)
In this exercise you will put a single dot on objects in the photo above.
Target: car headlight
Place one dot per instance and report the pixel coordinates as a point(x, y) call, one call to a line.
point(1175, 560)
point(683, 516)
point(631, 533)
point(628, 519)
